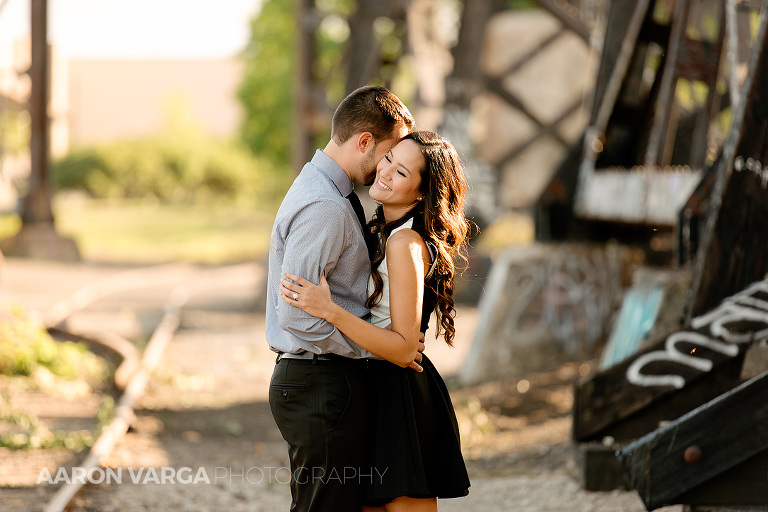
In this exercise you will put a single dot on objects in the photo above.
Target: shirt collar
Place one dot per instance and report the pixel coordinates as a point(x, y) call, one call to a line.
point(333, 170)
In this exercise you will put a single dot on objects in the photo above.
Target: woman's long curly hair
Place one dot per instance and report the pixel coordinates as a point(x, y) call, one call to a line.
point(438, 218)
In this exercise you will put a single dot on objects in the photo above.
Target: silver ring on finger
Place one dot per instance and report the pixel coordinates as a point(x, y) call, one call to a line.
point(295, 296)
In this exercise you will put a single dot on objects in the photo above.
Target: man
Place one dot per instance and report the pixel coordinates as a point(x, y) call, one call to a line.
point(318, 393)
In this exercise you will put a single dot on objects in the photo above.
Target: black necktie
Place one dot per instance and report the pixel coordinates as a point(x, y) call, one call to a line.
point(360, 212)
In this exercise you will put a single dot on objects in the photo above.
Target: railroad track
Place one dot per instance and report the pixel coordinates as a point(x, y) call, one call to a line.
point(132, 376)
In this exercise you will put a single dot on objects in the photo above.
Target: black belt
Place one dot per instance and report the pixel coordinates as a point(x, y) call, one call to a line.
point(310, 356)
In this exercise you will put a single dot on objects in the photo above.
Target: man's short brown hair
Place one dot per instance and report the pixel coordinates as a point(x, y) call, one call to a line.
point(371, 109)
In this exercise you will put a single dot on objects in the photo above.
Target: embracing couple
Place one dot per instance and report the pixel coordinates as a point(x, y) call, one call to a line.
point(368, 419)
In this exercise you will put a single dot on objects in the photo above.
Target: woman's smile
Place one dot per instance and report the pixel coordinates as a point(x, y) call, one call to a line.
point(382, 185)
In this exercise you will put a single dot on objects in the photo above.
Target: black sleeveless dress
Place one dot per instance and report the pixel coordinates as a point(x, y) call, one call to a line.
point(415, 448)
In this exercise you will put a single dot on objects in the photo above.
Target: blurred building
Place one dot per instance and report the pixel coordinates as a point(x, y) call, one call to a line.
point(99, 101)
point(117, 99)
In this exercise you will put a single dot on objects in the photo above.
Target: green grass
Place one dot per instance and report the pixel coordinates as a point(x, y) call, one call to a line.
point(130, 231)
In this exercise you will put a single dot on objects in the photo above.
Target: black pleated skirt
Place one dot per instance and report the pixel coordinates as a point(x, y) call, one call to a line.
point(415, 449)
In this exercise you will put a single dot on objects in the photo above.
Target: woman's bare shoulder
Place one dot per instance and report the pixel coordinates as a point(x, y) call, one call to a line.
point(406, 242)
point(404, 237)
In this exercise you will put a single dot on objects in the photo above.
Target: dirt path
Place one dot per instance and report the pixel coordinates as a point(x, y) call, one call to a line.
point(205, 410)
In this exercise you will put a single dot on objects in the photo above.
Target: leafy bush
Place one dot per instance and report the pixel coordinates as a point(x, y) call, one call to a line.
point(170, 168)
point(25, 346)
point(28, 353)
point(24, 431)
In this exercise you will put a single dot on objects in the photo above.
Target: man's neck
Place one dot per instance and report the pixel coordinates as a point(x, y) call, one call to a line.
point(338, 155)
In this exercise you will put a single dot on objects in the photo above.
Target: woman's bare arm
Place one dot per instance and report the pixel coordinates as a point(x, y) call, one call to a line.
point(401, 343)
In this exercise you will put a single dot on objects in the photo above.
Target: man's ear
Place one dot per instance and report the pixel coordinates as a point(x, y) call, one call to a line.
point(364, 141)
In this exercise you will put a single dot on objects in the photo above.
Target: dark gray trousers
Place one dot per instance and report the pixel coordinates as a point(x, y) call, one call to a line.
point(320, 408)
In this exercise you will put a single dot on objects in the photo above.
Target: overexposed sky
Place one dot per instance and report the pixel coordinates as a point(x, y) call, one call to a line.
point(137, 29)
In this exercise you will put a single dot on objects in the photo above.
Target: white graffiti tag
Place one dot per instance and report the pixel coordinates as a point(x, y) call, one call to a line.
point(742, 307)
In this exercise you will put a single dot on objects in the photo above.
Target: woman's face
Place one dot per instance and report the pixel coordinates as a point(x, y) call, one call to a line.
point(398, 179)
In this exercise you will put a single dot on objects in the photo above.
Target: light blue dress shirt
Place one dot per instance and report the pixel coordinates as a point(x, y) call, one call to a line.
point(316, 230)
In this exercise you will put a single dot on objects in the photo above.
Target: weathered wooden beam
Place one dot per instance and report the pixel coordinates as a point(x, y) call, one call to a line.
point(618, 19)
point(619, 70)
point(700, 445)
point(661, 121)
point(607, 95)
point(690, 216)
point(600, 469)
point(732, 52)
point(628, 20)
point(651, 196)
point(682, 370)
point(733, 251)
point(712, 56)
point(693, 216)
point(741, 489)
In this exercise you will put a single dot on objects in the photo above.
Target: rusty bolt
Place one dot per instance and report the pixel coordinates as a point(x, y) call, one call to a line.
point(692, 455)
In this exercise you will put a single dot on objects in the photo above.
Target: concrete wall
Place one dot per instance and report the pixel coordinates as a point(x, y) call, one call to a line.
point(558, 76)
point(545, 304)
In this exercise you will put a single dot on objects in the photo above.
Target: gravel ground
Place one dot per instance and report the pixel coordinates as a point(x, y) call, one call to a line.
point(205, 407)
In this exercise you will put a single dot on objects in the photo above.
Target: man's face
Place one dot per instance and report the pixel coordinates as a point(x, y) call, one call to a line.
point(367, 171)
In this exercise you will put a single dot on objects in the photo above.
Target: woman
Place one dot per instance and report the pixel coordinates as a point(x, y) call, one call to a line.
point(420, 188)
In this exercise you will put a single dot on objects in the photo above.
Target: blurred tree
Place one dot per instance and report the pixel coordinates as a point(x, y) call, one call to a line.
point(303, 57)
point(265, 91)
point(376, 42)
